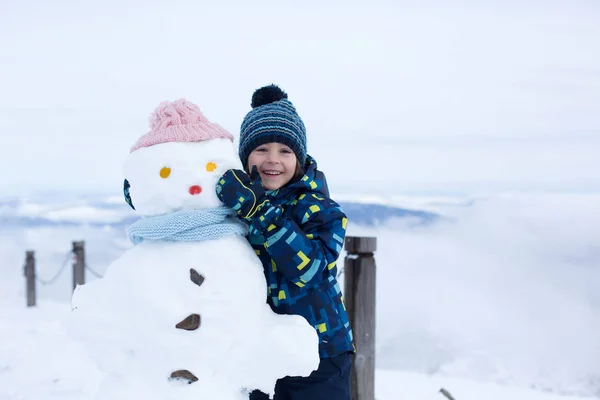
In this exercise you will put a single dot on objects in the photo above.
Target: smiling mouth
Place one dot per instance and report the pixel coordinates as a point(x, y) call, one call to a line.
point(272, 174)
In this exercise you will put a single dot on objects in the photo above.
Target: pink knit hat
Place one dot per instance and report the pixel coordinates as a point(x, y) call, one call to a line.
point(179, 121)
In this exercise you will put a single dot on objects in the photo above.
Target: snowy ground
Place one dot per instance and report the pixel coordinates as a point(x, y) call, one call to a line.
point(501, 302)
point(39, 361)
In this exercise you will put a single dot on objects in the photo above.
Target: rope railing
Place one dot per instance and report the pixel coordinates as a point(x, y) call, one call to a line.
point(96, 274)
point(77, 258)
point(69, 256)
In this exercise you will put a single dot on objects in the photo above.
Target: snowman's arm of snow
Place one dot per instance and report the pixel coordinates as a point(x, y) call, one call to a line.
point(291, 344)
point(303, 251)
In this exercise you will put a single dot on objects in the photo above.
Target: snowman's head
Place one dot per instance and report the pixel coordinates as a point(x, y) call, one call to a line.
point(177, 164)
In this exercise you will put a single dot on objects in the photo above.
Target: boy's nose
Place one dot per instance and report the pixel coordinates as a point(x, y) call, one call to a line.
point(272, 158)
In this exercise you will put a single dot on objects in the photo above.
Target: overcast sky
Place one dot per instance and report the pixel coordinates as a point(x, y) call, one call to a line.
point(446, 96)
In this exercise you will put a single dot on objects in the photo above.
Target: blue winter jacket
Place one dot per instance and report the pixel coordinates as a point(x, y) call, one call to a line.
point(299, 251)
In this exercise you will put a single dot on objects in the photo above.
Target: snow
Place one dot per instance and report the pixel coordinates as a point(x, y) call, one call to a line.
point(74, 213)
point(236, 328)
point(430, 203)
point(37, 358)
point(89, 214)
point(391, 384)
point(41, 362)
point(499, 302)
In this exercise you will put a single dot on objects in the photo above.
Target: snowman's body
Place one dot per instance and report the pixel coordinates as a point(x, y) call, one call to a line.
point(135, 308)
point(190, 309)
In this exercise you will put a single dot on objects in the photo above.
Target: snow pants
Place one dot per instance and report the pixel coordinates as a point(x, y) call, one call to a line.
point(331, 381)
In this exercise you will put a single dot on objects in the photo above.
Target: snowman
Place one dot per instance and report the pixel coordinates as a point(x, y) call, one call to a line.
point(183, 313)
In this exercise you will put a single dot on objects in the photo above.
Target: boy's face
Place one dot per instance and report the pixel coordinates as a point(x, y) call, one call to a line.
point(276, 164)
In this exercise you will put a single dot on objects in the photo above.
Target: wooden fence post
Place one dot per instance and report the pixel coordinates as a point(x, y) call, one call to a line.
point(79, 264)
point(30, 275)
point(359, 295)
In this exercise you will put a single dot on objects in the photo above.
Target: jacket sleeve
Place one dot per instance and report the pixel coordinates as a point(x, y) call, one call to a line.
point(304, 249)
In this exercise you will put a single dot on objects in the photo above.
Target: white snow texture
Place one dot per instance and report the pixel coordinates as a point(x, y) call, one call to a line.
point(127, 320)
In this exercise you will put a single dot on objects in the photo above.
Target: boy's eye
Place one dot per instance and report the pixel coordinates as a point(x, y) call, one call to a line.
point(286, 151)
point(261, 149)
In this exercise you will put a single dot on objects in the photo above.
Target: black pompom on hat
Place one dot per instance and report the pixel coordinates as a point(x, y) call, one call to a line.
point(267, 94)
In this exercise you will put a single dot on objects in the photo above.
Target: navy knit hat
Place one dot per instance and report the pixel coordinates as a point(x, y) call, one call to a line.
point(273, 119)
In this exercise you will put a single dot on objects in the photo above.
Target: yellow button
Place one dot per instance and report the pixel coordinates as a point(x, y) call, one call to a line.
point(211, 166)
point(165, 172)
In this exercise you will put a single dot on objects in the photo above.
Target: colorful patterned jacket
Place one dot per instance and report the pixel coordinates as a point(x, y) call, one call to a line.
point(299, 253)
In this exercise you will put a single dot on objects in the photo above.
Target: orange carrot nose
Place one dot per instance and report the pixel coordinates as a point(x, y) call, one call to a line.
point(195, 189)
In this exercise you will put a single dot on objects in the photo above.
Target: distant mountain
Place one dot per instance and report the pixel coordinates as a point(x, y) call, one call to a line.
point(15, 213)
point(375, 214)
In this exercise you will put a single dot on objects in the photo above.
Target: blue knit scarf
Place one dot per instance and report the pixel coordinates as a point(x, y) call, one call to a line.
point(187, 226)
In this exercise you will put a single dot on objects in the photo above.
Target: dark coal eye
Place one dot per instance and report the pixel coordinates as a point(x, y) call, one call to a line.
point(126, 187)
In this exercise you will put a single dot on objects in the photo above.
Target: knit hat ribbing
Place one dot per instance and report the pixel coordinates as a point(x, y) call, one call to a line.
point(272, 119)
point(179, 121)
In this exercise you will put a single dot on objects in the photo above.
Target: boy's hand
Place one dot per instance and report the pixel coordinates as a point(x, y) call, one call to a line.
point(245, 194)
